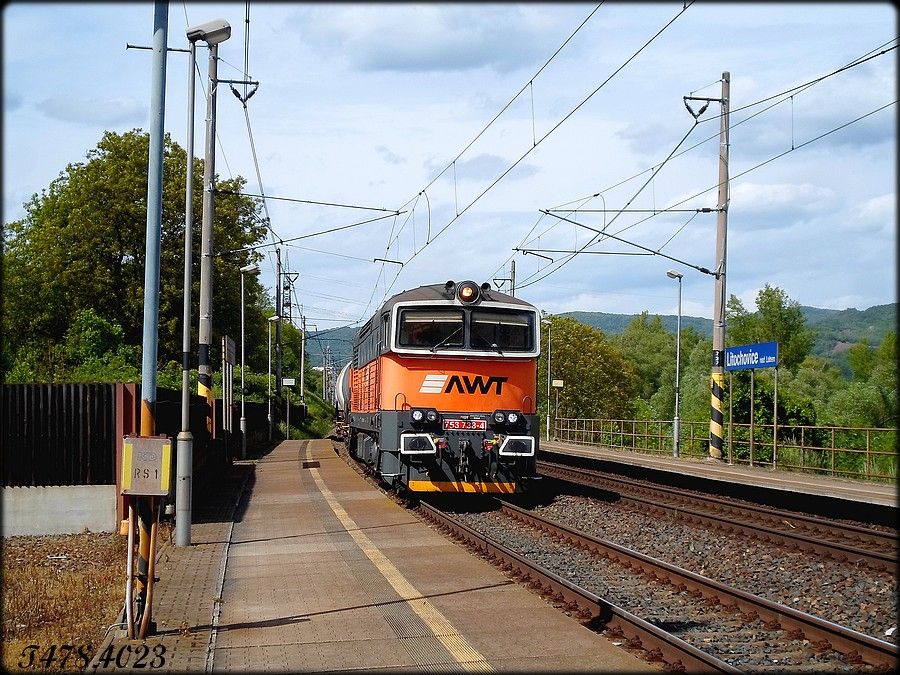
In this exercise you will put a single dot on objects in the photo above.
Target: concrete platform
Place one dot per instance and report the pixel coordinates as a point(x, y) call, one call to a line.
point(297, 564)
point(324, 573)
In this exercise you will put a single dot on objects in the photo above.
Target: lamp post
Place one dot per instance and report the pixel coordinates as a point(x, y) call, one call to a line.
point(269, 376)
point(676, 423)
point(546, 322)
point(212, 33)
point(185, 441)
point(248, 268)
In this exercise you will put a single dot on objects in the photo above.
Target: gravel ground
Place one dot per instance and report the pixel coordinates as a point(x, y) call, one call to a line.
point(856, 597)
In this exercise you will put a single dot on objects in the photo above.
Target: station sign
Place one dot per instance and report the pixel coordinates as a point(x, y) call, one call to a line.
point(557, 383)
point(748, 357)
point(288, 381)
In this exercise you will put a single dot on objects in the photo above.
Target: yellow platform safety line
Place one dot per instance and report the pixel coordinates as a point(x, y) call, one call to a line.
point(460, 649)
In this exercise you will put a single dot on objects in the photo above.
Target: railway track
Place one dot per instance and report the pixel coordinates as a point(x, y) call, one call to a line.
point(839, 541)
point(683, 619)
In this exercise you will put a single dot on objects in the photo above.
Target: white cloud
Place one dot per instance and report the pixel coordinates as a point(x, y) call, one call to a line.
point(422, 38)
point(877, 215)
point(93, 111)
point(781, 199)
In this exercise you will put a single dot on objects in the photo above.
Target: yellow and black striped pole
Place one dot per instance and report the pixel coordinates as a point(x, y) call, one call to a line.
point(717, 378)
point(716, 418)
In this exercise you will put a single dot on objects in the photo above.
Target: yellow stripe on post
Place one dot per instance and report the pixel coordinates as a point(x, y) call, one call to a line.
point(127, 451)
point(166, 467)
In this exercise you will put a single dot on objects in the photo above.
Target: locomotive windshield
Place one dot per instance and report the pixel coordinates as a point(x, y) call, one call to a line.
point(476, 329)
point(431, 328)
point(509, 331)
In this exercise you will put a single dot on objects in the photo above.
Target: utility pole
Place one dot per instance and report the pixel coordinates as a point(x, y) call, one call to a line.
point(302, 358)
point(280, 315)
point(717, 377)
point(184, 465)
point(511, 279)
point(204, 374)
point(147, 508)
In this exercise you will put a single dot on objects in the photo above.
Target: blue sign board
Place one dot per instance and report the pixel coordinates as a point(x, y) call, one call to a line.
point(747, 357)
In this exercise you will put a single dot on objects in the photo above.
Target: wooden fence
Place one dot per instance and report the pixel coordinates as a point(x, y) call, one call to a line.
point(69, 434)
point(60, 434)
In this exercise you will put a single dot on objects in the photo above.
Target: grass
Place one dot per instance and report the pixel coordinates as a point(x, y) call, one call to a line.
point(59, 590)
point(318, 422)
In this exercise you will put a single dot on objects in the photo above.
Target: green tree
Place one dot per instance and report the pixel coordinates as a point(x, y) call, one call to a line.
point(695, 382)
point(777, 319)
point(650, 348)
point(871, 399)
point(81, 246)
point(599, 380)
point(861, 358)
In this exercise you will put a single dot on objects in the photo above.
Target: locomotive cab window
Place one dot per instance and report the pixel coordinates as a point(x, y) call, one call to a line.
point(509, 331)
point(430, 328)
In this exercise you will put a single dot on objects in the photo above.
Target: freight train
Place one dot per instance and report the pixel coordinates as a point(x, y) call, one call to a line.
point(440, 395)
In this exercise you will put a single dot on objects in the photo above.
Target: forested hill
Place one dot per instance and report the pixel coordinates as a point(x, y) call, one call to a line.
point(835, 330)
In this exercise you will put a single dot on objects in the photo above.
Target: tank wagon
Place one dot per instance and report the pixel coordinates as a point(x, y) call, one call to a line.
point(442, 390)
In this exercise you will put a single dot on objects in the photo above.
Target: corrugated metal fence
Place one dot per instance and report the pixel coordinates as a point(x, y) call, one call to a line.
point(58, 434)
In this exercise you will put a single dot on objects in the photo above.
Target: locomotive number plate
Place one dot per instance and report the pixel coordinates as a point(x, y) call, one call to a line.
point(466, 425)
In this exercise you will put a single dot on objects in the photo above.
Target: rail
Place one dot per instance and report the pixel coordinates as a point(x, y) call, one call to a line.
point(868, 453)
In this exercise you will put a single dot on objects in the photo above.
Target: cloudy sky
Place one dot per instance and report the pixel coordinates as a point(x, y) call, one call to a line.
point(471, 119)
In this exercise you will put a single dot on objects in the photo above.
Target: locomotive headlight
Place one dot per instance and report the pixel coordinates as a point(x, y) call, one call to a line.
point(431, 415)
point(499, 417)
point(512, 418)
point(467, 292)
point(417, 415)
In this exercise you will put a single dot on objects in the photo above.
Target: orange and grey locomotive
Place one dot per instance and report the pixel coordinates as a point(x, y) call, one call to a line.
point(442, 390)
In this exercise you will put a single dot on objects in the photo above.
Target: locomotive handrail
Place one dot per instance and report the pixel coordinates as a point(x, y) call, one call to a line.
point(405, 402)
point(525, 408)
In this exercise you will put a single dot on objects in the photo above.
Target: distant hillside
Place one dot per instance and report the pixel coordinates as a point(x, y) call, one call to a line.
point(834, 329)
point(338, 340)
point(612, 324)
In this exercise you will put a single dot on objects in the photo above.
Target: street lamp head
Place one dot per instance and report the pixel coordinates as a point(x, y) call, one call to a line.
point(545, 322)
point(274, 317)
point(672, 274)
point(249, 268)
point(212, 32)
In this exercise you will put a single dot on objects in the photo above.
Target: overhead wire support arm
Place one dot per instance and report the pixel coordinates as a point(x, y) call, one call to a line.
point(525, 251)
point(253, 82)
point(705, 209)
point(393, 212)
point(631, 243)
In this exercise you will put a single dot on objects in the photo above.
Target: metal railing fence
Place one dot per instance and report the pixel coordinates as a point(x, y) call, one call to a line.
point(854, 452)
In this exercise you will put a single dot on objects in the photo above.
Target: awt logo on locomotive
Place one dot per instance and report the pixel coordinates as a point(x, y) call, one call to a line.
point(435, 384)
